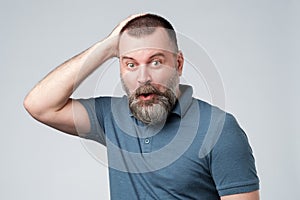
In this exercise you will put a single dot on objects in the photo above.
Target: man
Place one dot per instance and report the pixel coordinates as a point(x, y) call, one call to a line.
point(161, 142)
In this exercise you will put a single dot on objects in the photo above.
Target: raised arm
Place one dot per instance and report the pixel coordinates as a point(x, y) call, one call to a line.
point(49, 101)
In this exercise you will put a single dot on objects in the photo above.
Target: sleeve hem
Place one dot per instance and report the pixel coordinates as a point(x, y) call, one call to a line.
point(238, 189)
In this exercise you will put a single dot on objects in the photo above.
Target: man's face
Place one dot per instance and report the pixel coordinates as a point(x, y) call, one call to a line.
point(150, 71)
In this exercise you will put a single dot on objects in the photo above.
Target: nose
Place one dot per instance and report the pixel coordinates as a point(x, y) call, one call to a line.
point(144, 75)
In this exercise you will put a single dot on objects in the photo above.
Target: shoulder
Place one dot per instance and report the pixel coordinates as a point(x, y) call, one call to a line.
point(229, 139)
point(105, 102)
point(103, 105)
point(222, 131)
point(219, 127)
point(212, 117)
point(216, 116)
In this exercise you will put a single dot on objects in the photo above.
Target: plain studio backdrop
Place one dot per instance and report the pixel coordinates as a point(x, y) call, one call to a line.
point(254, 46)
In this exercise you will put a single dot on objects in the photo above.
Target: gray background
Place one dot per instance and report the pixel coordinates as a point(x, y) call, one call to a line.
point(254, 44)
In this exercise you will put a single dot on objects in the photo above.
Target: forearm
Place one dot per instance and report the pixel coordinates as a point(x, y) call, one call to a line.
point(53, 92)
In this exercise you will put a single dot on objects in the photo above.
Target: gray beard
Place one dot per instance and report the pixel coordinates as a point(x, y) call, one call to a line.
point(152, 111)
point(156, 110)
point(150, 115)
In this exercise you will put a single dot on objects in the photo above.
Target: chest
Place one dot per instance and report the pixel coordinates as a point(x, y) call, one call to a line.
point(159, 163)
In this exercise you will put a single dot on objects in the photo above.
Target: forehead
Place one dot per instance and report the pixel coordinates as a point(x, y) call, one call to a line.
point(159, 40)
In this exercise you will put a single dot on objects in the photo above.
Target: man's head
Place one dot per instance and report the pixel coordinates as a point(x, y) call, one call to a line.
point(150, 66)
point(146, 24)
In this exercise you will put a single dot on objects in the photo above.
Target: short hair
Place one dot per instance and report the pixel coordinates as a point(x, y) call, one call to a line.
point(146, 24)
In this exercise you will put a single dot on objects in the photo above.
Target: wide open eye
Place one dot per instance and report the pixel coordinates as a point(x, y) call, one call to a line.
point(130, 65)
point(155, 63)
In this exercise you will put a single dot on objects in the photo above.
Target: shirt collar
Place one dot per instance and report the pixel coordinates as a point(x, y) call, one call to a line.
point(184, 100)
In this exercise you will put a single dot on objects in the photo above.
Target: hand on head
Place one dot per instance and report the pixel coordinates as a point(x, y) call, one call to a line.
point(114, 35)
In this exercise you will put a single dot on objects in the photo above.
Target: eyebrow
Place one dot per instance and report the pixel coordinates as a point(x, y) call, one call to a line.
point(157, 55)
point(154, 55)
point(127, 57)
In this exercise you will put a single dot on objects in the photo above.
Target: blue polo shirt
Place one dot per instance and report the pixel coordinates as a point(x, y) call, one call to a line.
point(199, 152)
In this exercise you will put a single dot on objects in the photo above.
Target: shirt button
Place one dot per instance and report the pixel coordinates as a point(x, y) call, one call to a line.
point(147, 141)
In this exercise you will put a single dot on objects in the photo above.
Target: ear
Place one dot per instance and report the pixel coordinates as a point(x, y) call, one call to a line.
point(180, 61)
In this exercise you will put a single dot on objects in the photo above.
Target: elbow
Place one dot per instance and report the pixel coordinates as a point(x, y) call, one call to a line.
point(33, 108)
point(29, 106)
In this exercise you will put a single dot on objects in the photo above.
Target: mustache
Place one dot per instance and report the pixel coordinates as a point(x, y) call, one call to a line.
point(147, 89)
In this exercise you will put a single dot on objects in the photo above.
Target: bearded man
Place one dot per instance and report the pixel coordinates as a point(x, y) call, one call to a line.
point(161, 142)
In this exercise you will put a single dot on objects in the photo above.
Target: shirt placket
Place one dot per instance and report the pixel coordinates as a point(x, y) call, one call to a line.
point(147, 144)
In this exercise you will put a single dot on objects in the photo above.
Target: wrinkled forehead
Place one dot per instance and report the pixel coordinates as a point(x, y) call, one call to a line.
point(157, 39)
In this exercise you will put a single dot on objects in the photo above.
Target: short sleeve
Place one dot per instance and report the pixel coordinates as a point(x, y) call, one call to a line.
point(96, 133)
point(232, 162)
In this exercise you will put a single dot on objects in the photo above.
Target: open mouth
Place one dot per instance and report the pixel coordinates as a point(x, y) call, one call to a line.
point(146, 96)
